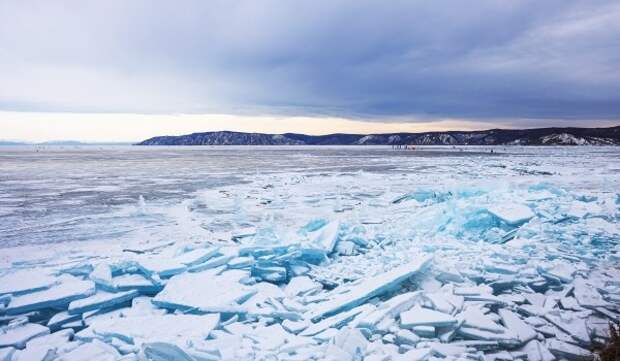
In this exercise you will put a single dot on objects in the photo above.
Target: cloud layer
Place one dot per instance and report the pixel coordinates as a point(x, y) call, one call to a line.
point(552, 59)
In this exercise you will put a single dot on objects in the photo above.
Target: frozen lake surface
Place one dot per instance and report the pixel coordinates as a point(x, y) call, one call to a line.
point(56, 194)
point(308, 252)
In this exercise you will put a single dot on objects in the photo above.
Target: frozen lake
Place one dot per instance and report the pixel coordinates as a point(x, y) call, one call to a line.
point(309, 252)
point(64, 193)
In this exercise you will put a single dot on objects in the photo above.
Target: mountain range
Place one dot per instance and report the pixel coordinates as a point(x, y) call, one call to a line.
point(539, 136)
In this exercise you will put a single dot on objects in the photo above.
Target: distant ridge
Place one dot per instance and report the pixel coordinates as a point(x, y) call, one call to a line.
point(539, 136)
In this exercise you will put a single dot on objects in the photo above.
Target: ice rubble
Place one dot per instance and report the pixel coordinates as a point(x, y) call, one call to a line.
point(428, 274)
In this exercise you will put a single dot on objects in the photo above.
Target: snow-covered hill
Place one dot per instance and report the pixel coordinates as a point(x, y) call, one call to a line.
point(540, 136)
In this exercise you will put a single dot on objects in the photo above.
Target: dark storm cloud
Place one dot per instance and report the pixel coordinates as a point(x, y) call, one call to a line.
point(552, 59)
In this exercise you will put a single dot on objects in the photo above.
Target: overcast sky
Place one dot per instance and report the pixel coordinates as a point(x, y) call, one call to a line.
point(310, 66)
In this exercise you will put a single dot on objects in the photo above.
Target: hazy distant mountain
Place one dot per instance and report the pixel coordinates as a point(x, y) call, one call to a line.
point(540, 136)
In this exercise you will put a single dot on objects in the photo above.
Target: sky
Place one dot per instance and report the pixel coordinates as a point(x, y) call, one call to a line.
point(119, 70)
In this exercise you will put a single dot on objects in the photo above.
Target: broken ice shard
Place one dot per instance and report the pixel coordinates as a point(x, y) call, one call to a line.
point(197, 256)
point(512, 214)
point(314, 225)
point(101, 300)
point(371, 287)
point(162, 351)
point(523, 331)
point(186, 292)
point(135, 281)
point(60, 295)
point(327, 236)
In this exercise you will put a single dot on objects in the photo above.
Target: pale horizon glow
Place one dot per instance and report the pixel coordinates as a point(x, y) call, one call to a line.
point(113, 127)
point(125, 127)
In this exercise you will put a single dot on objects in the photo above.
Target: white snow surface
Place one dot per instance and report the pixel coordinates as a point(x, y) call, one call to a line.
point(360, 253)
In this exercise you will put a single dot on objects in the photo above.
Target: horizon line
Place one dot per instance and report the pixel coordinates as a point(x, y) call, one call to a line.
point(67, 142)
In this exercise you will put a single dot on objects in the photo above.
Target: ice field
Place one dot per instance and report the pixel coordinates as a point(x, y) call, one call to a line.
point(308, 253)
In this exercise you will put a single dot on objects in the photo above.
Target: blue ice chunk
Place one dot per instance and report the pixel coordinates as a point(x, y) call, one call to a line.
point(163, 351)
point(162, 266)
point(197, 256)
point(241, 262)
point(59, 296)
point(510, 235)
point(358, 240)
point(312, 255)
point(130, 266)
point(371, 287)
point(274, 274)
point(213, 263)
point(545, 186)
point(423, 196)
point(314, 225)
point(424, 331)
point(286, 254)
point(62, 318)
point(73, 325)
point(468, 192)
point(328, 236)
point(355, 234)
point(101, 300)
point(479, 221)
point(263, 251)
point(136, 281)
